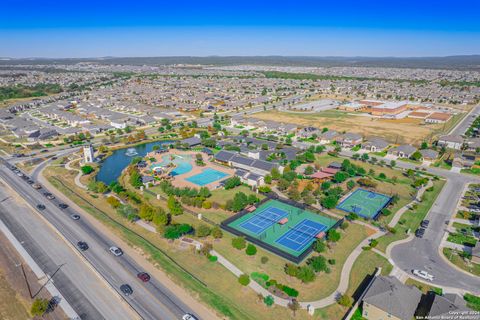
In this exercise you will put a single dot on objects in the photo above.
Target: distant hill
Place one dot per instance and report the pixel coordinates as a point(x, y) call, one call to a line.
point(470, 62)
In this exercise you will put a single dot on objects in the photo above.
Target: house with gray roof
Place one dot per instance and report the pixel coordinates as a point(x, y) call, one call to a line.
point(444, 307)
point(403, 151)
point(451, 142)
point(429, 154)
point(328, 137)
point(349, 139)
point(388, 298)
point(191, 142)
point(375, 145)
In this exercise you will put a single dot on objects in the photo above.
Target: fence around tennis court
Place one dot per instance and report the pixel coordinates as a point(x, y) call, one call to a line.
point(290, 257)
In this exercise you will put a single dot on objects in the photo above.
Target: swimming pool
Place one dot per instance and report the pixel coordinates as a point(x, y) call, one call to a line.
point(182, 164)
point(208, 175)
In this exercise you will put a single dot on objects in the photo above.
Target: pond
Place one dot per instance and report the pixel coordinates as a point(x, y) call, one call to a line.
point(111, 168)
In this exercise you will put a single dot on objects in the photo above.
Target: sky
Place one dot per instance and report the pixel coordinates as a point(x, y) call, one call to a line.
point(86, 28)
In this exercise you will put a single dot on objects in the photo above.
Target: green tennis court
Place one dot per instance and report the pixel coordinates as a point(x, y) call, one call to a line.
point(282, 226)
point(365, 203)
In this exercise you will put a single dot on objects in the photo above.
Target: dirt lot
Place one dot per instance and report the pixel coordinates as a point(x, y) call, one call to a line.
point(15, 298)
point(395, 131)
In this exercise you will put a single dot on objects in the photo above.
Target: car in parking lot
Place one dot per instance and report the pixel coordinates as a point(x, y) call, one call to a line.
point(63, 205)
point(40, 207)
point(145, 277)
point(189, 316)
point(82, 245)
point(116, 251)
point(126, 289)
point(423, 274)
point(75, 217)
point(420, 232)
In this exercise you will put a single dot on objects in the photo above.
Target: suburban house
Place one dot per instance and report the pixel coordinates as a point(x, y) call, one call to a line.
point(451, 142)
point(252, 179)
point(191, 142)
point(403, 151)
point(388, 298)
point(349, 140)
point(307, 132)
point(375, 145)
point(443, 307)
point(324, 174)
point(328, 137)
point(429, 154)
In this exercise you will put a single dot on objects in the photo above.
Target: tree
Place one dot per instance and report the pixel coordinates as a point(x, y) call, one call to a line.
point(86, 169)
point(416, 156)
point(424, 145)
point(232, 182)
point(393, 163)
point(309, 170)
point(239, 243)
point(364, 157)
point(203, 231)
point(340, 176)
point(244, 279)
point(146, 212)
point(290, 269)
point(318, 263)
point(176, 231)
point(174, 206)
point(39, 307)
point(306, 274)
point(333, 235)
point(160, 217)
point(136, 179)
point(350, 184)
point(251, 250)
point(294, 306)
point(329, 202)
point(275, 174)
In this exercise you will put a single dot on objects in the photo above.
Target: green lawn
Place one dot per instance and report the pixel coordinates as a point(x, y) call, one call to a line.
point(425, 288)
point(459, 238)
point(221, 196)
point(454, 258)
point(411, 219)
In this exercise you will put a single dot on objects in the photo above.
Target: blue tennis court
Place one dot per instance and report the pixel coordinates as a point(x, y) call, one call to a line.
point(263, 220)
point(301, 235)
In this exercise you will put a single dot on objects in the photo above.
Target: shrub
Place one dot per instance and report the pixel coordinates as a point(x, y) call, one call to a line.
point(251, 250)
point(213, 258)
point(113, 202)
point(264, 260)
point(268, 300)
point(332, 261)
point(239, 243)
point(39, 307)
point(206, 204)
point(244, 279)
point(216, 233)
point(386, 212)
point(259, 277)
point(345, 300)
point(203, 231)
point(176, 231)
point(373, 243)
point(344, 225)
point(306, 274)
point(319, 246)
point(290, 269)
point(290, 291)
point(86, 169)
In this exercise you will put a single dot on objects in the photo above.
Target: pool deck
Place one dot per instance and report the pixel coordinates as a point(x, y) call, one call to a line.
point(180, 180)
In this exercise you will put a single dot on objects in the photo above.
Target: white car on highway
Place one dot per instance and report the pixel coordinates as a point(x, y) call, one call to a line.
point(116, 251)
point(423, 274)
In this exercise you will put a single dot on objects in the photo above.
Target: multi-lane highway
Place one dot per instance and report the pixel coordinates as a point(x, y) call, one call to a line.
point(150, 300)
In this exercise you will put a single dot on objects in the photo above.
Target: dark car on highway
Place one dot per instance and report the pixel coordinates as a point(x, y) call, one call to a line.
point(82, 245)
point(40, 207)
point(126, 289)
point(145, 277)
point(63, 206)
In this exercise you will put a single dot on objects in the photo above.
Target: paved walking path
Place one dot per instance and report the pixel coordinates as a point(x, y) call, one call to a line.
point(77, 177)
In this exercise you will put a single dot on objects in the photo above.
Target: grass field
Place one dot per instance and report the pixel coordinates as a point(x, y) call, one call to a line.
point(425, 288)
point(406, 130)
point(11, 305)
